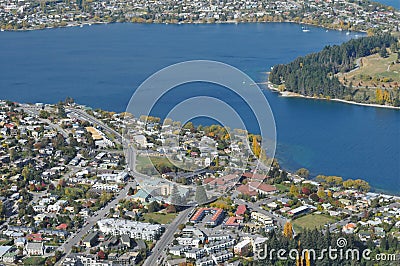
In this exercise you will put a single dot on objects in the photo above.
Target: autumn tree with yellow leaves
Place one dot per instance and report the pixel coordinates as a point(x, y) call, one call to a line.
point(307, 258)
point(299, 258)
point(288, 230)
point(382, 96)
point(321, 193)
point(294, 190)
point(256, 147)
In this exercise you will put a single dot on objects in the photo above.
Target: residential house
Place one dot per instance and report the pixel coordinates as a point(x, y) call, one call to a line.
point(34, 249)
point(91, 239)
point(243, 247)
point(261, 218)
point(195, 253)
point(222, 256)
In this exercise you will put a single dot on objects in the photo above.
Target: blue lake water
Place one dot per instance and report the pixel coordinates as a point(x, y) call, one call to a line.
point(393, 3)
point(101, 65)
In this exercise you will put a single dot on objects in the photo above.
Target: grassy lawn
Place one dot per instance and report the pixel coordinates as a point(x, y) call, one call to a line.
point(160, 160)
point(312, 221)
point(377, 68)
point(145, 166)
point(162, 218)
point(144, 161)
point(374, 72)
point(148, 165)
point(281, 188)
point(34, 261)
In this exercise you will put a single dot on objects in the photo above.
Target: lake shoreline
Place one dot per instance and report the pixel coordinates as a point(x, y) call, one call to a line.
point(298, 95)
point(108, 81)
point(90, 23)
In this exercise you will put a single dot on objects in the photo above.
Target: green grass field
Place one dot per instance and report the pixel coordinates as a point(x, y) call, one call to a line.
point(281, 188)
point(145, 164)
point(34, 261)
point(311, 221)
point(162, 218)
point(374, 73)
point(148, 165)
point(144, 161)
point(373, 70)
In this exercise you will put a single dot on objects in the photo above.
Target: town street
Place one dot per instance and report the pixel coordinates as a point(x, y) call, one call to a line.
point(102, 213)
point(167, 237)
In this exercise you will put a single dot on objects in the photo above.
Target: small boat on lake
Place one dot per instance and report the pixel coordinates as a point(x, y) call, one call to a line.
point(304, 29)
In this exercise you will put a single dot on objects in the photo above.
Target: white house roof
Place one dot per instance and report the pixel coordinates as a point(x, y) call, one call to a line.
point(4, 250)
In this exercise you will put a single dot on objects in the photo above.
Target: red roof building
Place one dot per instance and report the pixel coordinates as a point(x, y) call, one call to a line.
point(262, 187)
point(34, 237)
point(217, 215)
point(234, 221)
point(241, 209)
point(198, 215)
point(225, 180)
point(62, 227)
point(208, 180)
point(255, 176)
point(10, 126)
point(223, 183)
point(245, 190)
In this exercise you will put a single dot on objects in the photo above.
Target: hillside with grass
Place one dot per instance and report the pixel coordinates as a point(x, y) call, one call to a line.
point(376, 78)
point(363, 70)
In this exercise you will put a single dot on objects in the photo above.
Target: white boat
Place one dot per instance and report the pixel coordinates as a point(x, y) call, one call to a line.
point(2, 29)
point(348, 33)
point(81, 26)
point(304, 29)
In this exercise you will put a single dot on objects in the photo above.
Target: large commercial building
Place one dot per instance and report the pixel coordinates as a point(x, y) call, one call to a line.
point(261, 218)
point(135, 230)
point(215, 219)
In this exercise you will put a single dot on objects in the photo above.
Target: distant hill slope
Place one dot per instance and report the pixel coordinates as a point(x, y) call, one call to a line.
point(326, 74)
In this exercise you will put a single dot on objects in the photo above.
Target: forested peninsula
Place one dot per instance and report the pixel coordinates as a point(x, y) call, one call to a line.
point(363, 70)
